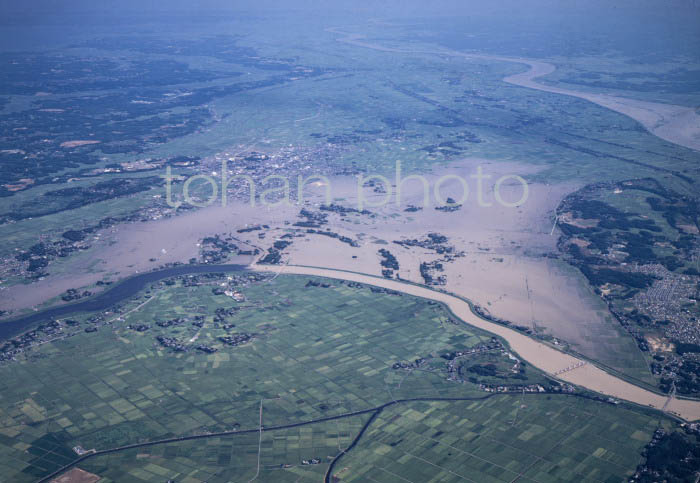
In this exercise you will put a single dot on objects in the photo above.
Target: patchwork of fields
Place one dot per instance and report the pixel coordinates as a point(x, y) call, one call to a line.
point(331, 354)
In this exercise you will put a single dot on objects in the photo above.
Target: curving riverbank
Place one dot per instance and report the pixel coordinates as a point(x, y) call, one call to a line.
point(120, 291)
point(542, 356)
point(677, 124)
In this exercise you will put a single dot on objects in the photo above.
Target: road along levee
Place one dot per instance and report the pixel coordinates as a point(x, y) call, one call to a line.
point(540, 355)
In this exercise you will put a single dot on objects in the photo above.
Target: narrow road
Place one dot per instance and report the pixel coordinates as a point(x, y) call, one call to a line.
point(374, 411)
point(260, 429)
point(257, 471)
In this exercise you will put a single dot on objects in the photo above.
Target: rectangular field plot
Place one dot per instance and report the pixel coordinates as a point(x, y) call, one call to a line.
point(506, 437)
point(294, 454)
point(309, 351)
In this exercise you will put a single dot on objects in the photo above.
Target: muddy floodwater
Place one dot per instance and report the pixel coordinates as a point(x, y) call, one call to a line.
point(542, 356)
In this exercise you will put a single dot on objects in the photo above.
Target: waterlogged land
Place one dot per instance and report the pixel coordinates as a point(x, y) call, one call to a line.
point(469, 253)
point(326, 366)
point(676, 124)
point(544, 357)
point(320, 366)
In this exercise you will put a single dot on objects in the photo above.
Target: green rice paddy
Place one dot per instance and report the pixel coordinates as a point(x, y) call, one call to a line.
point(317, 352)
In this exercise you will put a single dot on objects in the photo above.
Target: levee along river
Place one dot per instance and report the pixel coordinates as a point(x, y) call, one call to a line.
point(120, 291)
point(542, 356)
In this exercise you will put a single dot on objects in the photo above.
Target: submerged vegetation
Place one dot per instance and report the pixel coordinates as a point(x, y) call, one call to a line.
point(182, 331)
point(243, 376)
point(636, 242)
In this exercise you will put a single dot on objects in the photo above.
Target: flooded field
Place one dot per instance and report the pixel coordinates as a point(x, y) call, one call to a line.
point(542, 356)
point(500, 254)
